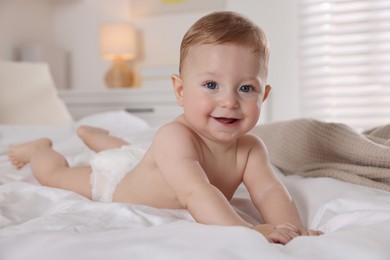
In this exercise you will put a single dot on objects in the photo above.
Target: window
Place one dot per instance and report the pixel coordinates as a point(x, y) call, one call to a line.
point(345, 61)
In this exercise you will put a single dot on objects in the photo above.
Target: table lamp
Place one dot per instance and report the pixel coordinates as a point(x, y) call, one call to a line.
point(118, 43)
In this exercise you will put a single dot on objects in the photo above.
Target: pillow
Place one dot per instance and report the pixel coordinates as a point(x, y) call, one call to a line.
point(119, 123)
point(28, 95)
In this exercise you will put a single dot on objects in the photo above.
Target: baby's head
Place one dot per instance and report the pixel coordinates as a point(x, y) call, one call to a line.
point(227, 28)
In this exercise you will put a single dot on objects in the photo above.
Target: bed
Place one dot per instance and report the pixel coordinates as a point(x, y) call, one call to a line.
point(38, 222)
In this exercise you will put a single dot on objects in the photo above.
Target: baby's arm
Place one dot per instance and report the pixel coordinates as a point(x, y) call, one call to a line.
point(268, 194)
point(177, 156)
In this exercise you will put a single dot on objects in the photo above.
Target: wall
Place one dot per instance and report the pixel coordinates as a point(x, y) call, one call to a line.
point(21, 22)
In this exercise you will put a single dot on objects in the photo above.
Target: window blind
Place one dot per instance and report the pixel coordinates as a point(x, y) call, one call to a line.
point(345, 61)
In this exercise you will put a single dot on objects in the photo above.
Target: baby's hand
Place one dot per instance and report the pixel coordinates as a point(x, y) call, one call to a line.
point(301, 231)
point(283, 233)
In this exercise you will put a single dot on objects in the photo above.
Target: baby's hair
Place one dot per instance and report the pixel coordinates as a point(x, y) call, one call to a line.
point(227, 28)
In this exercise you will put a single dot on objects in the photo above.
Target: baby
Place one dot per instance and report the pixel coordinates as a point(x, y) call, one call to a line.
point(197, 161)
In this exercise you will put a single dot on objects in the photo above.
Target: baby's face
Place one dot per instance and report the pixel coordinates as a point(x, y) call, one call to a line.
point(222, 90)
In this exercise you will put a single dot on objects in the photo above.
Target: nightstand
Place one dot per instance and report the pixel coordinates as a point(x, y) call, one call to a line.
point(155, 105)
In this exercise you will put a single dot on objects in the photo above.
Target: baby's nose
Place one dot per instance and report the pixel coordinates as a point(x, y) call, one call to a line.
point(229, 100)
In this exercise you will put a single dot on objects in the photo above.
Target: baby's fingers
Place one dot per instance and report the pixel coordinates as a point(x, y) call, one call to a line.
point(314, 232)
point(288, 226)
point(311, 232)
point(281, 236)
point(278, 238)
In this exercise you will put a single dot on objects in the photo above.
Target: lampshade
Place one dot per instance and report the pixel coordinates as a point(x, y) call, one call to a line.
point(118, 40)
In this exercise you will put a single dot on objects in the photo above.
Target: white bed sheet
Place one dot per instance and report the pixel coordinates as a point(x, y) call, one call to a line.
point(39, 222)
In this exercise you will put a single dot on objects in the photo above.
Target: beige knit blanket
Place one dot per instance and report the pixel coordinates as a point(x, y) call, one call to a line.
point(312, 148)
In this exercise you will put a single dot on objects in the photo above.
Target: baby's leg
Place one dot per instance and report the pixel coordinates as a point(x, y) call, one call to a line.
point(98, 139)
point(50, 168)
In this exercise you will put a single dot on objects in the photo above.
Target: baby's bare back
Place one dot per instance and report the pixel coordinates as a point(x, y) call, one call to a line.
point(146, 185)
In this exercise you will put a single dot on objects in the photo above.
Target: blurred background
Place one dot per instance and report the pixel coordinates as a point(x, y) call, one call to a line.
point(329, 59)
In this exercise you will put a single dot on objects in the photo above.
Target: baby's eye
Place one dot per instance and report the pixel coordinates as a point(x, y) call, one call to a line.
point(246, 88)
point(211, 85)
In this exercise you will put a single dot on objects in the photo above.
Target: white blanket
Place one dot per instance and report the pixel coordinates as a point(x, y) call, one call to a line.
point(39, 222)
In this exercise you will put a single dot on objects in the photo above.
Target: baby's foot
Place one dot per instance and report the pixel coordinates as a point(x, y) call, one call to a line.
point(85, 131)
point(91, 135)
point(20, 154)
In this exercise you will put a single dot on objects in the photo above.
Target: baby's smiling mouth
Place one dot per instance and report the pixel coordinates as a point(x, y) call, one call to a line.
point(226, 121)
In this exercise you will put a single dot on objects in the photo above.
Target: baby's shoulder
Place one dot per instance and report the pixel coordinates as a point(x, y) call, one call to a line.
point(251, 145)
point(174, 128)
point(175, 138)
point(249, 140)
point(175, 131)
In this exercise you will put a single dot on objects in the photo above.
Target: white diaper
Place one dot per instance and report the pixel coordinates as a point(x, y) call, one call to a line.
point(109, 167)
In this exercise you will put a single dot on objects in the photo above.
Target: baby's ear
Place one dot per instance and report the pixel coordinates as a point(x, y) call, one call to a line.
point(177, 84)
point(266, 92)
